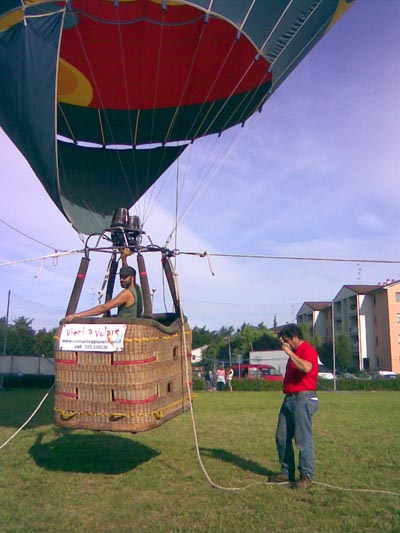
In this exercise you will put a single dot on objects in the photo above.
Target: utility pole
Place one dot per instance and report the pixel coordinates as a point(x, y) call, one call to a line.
point(6, 325)
point(333, 347)
point(5, 336)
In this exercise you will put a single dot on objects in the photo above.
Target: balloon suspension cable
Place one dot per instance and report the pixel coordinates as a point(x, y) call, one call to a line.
point(100, 293)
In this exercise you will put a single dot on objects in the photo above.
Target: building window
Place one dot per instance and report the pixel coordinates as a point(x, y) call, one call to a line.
point(398, 339)
point(377, 343)
point(397, 296)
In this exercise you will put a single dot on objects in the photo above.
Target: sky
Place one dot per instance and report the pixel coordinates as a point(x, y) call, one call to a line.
point(314, 175)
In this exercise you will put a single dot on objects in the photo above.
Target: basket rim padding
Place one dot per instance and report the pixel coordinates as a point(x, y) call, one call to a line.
point(166, 322)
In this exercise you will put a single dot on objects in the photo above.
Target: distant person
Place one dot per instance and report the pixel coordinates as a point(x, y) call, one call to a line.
point(209, 381)
point(229, 377)
point(125, 301)
point(298, 408)
point(220, 378)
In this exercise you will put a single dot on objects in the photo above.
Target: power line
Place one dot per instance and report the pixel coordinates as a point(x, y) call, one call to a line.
point(27, 236)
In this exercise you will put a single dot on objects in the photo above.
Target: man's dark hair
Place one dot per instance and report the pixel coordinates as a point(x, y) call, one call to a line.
point(290, 332)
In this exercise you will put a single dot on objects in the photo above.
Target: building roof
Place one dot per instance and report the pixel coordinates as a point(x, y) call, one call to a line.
point(362, 289)
point(317, 306)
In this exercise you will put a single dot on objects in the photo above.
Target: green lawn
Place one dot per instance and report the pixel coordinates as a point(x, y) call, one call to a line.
point(61, 480)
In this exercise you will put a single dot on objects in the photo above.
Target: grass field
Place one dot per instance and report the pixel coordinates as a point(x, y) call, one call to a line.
point(61, 480)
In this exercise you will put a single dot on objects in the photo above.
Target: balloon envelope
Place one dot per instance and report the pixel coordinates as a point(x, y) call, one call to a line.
point(101, 96)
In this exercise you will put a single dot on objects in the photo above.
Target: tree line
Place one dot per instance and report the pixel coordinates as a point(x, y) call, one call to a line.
point(226, 345)
point(19, 338)
point(229, 345)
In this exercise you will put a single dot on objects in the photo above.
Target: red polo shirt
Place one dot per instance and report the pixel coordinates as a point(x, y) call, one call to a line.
point(297, 381)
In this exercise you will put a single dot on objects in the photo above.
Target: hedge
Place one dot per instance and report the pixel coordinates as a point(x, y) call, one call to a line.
point(246, 384)
point(33, 381)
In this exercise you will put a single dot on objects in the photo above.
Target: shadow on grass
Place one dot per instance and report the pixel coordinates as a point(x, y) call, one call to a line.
point(96, 453)
point(244, 464)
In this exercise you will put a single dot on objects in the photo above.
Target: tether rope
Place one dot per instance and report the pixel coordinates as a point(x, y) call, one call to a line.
point(215, 485)
point(29, 418)
point(197, 448)
point(189, 395)
point(211, 254)
point(291, 258)
point(185, 351)
point(43, 257)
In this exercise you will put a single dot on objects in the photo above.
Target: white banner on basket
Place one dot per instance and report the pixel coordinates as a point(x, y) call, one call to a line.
point(92, 337)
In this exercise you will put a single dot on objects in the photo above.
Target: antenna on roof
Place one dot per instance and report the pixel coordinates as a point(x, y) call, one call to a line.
point(359, 269)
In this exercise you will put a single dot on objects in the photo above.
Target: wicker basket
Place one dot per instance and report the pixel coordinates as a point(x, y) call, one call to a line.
point(137, 389)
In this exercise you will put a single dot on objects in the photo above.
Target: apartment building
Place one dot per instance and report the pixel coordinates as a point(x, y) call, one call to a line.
point(386, 302)
point(353, 315)
point(318, 317)
point(369, 315)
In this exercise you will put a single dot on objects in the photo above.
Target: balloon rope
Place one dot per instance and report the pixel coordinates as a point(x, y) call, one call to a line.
point(149, 198)
point(101, 106)
point(292, 37)
point(223, 153)
point(48, 256)
point(293, 258)
point(132, 129)
point(185, 353)
point(29, 418)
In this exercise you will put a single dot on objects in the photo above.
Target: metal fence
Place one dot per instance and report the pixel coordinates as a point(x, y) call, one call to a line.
point(26, 364)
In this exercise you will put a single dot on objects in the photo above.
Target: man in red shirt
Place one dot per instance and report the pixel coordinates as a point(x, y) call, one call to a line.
point(298, 408)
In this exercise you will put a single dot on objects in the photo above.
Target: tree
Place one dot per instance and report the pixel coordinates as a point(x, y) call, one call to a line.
point(305, 330)
point(343, 351)
point(44, 342)
point(201, 336)
point(20, 337)
point(23, 340)
point(314, 340)
point(325, 353)
point(267, 341)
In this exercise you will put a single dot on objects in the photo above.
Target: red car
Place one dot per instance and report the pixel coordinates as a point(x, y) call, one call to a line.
point(256, 372)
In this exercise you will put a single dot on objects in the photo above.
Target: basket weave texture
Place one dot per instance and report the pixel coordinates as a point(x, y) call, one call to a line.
point(135, 390)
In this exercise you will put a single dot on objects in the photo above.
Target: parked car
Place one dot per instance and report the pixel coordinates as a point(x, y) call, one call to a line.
point(379, 374)
point(324, 372)
point(267, 372)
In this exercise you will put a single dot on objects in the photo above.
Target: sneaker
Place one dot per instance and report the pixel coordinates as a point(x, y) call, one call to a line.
point(279, 478)
point(305, 482)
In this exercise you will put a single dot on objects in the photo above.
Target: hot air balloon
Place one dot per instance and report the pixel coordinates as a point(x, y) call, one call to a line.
point(101, 97)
